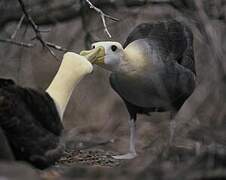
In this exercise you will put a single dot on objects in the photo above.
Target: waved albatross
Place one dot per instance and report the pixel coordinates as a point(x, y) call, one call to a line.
point(154, 71)
point(32, 120)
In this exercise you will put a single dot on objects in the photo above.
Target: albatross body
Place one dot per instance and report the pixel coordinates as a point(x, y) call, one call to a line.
point(153, 71)
point(32, 120)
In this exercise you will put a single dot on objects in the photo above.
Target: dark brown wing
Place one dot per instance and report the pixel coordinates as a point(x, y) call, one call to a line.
point(5, 150)
point(33, 136)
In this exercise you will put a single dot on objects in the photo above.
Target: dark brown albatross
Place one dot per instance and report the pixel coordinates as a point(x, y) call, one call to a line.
point(32, 120)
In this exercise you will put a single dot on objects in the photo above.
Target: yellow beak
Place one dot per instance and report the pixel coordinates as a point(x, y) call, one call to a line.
point(95, 56)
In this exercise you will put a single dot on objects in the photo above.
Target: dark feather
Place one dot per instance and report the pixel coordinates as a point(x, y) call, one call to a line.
point(31, 124)
point(6, 82)
point(172, 40)
point(164, 87)
point(5, 150)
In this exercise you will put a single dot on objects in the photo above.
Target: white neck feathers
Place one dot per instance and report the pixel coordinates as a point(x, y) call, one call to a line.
point(72, 69)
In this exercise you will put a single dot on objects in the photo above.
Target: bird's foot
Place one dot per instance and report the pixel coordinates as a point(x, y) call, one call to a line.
point(130, 155)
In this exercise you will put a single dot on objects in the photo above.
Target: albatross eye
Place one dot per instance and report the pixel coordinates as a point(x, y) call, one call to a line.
point(113, 48)
point(93, 46)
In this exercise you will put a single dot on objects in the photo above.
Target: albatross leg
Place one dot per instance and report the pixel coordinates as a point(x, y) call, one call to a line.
point(172, 127)
point(132, 151)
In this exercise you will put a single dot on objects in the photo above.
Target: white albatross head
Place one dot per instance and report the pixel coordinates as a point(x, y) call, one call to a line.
point(110, 56)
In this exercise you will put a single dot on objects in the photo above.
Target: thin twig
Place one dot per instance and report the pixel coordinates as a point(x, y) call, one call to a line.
point(18, 27)
point(38, 35)
point(18, 43)
point(102, 15)
point(59, 48)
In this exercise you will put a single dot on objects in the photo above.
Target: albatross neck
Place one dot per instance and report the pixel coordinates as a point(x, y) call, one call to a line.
point(136, 54)
point(71, 71)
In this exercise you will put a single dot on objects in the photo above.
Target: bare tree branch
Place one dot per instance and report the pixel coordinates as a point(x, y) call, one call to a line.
point(103, 15)
point(28, 45)
point(62, 11)
point(38, 35)
point(59, 48)
point(18, 27)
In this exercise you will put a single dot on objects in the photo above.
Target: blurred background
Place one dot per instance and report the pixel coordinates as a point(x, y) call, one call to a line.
point(95, 112)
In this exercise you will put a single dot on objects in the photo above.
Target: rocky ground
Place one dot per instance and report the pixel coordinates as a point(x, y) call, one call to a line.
point(202, 156)
point(93, 160)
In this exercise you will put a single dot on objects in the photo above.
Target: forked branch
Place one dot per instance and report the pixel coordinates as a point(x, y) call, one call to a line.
point(38, 34)
point(103, 16)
